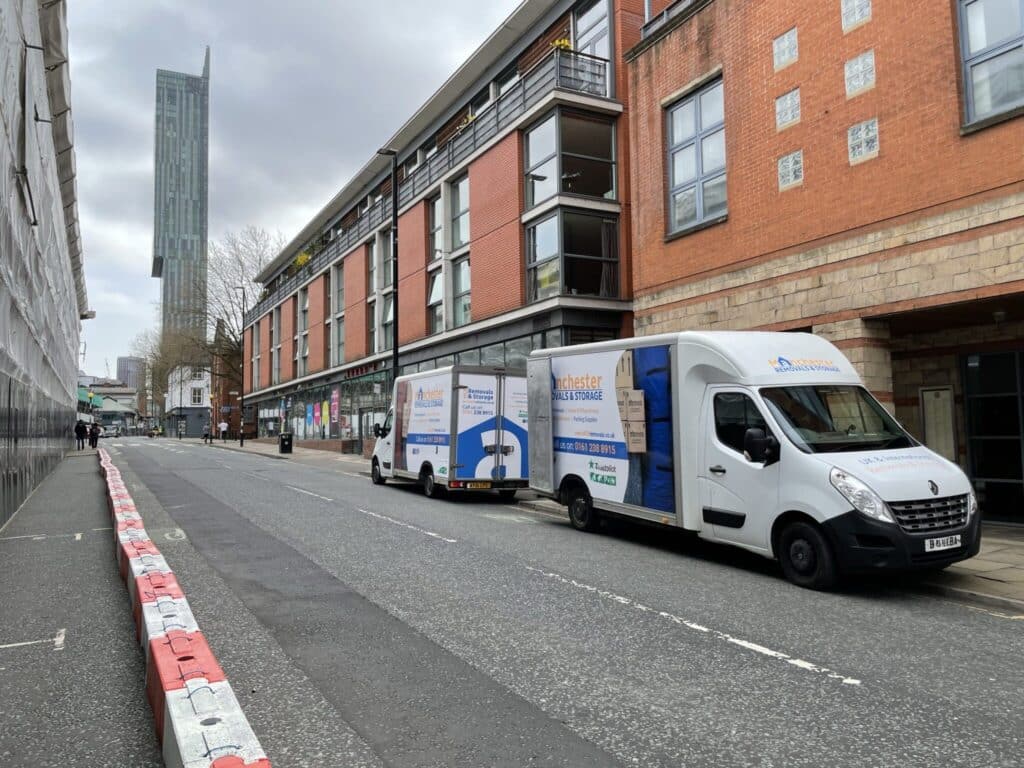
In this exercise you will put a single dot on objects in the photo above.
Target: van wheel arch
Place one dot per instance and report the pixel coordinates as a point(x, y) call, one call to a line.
point(804, 551)
point(782, 521)
point(430, 487)
point(574, 493)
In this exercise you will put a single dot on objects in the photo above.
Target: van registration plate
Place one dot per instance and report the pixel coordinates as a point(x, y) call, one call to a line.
point(946, 542)
point(478, 485)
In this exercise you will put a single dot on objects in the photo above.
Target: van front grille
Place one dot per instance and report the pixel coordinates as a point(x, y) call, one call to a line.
point(931, 515)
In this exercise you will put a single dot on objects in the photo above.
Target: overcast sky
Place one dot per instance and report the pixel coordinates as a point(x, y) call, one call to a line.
point(301, 94)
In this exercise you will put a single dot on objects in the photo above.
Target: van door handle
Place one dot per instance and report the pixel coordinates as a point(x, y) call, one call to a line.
point(718, 469)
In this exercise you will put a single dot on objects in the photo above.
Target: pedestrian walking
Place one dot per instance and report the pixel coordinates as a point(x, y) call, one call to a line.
point(80, 432)
point(206, 433)
point(94, 435)
point(223, 427)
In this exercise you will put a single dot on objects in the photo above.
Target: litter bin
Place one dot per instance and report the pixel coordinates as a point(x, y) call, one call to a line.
point(284, 442)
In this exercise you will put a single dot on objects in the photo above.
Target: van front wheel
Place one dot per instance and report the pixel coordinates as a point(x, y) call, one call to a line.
point(582, 514)
point(806, 557)
point(375, 475)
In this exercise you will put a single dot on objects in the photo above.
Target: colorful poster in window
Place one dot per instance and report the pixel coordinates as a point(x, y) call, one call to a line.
point(335, 402)
point(309, 415)
point(316, 414)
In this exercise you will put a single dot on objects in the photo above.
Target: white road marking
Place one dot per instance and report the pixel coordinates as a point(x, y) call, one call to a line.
point(58, 642)
point(353, 474)
point(408, 525)
point(755, 647)
point(308, 493)
point(508, 518)
point(78, 537)
point(43, 536)
point(176, 535)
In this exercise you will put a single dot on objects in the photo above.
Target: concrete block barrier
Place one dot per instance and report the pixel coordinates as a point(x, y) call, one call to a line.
point(197, 716)
point(164, 616)
point(203, 722)
point(174, 659)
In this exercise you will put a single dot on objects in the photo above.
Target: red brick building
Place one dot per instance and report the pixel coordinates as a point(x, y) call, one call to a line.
point(853, 168)
point(513, 230)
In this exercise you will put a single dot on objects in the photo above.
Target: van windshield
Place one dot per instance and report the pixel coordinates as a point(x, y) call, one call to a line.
point(828, 419)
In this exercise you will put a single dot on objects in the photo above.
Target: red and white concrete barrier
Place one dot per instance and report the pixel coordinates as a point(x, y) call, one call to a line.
point(198, 719)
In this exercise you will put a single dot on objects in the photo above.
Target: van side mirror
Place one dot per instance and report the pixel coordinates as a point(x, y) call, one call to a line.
point(377, 431)
point(760, 448)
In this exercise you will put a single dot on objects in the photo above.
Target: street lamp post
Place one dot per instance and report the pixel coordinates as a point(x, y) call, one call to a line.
point(393, 154)
point(241, 398)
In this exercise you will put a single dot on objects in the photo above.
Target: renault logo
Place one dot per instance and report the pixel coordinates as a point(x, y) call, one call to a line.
point(934, 488)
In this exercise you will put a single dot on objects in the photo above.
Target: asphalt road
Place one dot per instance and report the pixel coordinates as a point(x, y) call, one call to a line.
point(470, 632)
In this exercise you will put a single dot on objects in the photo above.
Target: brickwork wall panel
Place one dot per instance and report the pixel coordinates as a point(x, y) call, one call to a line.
point(923, 160)
point(265, 351)
point(317, 315)
point(496, 252)
point(288, 339)
point(412, 301)
point(247, 360)
point(412, 240)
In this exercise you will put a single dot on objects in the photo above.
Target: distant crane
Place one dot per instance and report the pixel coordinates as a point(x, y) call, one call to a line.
point(106, 365)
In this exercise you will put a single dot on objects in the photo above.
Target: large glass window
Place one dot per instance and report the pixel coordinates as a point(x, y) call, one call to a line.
point(371, 328)
point(696, 158)
point(543, 263)
point(460, 213)
point(303, 310)
point(992, 46)
point(461, 313)
point(592, 29)
point(338, 281)
point(339, 341)
point(371, 267)
point(435, 247)
point(388, 322)
point(572, 253)
point(387, 259)
point(435, 303)
point(572, 154)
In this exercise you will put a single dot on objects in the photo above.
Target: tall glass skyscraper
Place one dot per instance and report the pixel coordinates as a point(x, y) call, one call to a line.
point(180, 200)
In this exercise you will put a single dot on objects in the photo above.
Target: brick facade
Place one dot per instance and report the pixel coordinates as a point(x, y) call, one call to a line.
point(288, 338)
point(265, 350)
point(317, 314)
point(495, 204)
point(412, 278)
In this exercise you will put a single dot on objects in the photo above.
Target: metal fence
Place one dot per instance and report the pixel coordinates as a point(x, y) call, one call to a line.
point(561, 69)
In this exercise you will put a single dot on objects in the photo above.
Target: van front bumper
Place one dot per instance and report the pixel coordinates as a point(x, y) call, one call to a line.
point(862, 545)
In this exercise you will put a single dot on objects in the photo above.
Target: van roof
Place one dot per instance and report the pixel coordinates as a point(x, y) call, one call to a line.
point(756, 358)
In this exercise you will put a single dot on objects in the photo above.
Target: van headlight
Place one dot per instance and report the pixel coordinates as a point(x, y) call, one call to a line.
point(972, 504)
point(863, 499)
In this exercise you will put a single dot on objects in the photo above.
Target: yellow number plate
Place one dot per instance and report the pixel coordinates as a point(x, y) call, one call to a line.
point(478, 485)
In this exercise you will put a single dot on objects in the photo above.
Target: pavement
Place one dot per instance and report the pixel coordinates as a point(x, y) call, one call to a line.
point(70, 669)
point(994, 577)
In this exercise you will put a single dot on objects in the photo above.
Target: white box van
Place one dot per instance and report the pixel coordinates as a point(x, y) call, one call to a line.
point(767, 441)
point(458, 428)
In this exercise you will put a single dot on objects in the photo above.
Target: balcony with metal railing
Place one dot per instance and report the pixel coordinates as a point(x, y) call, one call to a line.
point(565, 70)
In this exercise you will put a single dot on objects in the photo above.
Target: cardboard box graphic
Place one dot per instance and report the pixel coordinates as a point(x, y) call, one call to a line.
point(636, 436)
point(624, 371)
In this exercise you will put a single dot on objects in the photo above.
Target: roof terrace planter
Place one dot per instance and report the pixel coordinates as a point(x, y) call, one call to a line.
point(561, 69)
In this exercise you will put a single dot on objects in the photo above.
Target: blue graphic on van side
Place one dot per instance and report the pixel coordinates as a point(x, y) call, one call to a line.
point(427, 439)
point(584, 446)
point(470, 449)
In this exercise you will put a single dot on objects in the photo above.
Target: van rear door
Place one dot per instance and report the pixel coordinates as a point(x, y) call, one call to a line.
point(513, 423)
point(476, 429)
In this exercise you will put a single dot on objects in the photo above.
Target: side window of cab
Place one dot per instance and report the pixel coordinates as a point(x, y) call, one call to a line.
point(735, 413)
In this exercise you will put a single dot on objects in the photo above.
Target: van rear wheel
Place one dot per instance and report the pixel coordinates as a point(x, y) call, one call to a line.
point(806, 557)
point(430, 487)
point(582, 514)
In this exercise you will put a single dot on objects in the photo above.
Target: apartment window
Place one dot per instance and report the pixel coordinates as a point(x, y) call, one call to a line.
point(785, 49)
point(992, 46)
point(197, 374)
point(387, 322)
point(303, 305)
point(572, 253)
point(791, 170)
point(571, 154)
point(371, 328)
point(862, 141)
point(435, 246)
point(461, 313)
point(855, 13)
point(371, 267)
point(860, 74)
point(197, 395)
point(787, 109)
point(460, 213)
point(338, 281)
point(592, 29)
point(256, 356)
point(303, 356)
point(275, 341)
point(506, 80)
point(696, 158)
point(435, 302)
point(387, 258)
point(339, 341)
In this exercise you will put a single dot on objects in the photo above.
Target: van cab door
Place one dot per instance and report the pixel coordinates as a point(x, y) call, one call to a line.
point(385, 448)
point(738, 496)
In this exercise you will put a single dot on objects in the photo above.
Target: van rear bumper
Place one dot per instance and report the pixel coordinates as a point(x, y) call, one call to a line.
point(863, 545)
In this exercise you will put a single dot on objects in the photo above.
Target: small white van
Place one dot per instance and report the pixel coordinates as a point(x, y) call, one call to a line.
point(460, 428)
point(766, 441)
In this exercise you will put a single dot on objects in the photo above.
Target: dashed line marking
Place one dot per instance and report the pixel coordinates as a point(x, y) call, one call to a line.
point(411, 527)
point(308, 493)
point(353, 474)
point(57, 640)
point(724, 636)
